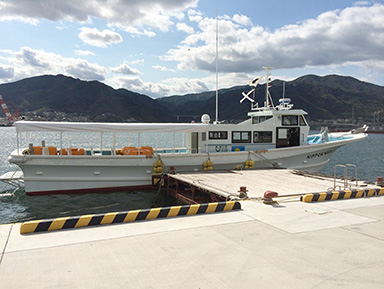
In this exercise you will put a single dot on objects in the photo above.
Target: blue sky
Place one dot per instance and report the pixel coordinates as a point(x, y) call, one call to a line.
point(167, 47)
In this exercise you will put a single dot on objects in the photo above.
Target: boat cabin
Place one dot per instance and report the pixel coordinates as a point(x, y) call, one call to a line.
point(277, 127)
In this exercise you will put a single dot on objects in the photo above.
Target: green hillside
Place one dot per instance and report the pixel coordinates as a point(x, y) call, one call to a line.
point(65, 98)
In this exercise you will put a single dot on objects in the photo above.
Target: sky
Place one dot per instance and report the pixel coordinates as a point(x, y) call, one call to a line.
point(168, 47)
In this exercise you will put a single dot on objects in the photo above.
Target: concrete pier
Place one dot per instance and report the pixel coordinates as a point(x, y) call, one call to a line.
point(287, 245)
point(286, 182)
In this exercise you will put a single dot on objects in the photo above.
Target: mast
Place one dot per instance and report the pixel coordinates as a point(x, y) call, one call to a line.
point(217, 62)
point(267, 69)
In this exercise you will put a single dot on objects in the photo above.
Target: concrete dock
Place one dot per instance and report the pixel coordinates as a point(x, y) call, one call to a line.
point(333, 244)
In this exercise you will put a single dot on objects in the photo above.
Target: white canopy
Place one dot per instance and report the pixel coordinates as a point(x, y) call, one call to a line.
point(108, 127)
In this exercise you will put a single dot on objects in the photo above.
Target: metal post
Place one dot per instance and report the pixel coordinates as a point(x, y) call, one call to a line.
point(157, 138)
point(174, 143)
point(217, 61)
point(114, 141)
point(101, 143)
point(334, 175)
point(352, 165)
point(61, 142)
point(17, 140)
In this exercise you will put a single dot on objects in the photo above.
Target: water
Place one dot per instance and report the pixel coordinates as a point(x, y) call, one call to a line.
point(368, 155)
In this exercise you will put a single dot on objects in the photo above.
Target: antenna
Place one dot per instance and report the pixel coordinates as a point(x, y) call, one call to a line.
point(267, 95)
point(217, 61)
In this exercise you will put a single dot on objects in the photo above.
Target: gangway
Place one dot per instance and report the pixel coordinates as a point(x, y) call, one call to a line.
point(12, 181)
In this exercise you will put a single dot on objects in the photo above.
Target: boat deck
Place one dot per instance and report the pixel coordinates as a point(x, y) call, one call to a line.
point(287, 245)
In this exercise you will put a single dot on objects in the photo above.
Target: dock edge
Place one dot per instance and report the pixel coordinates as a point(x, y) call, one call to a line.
point(340, 195)
point(125, 217)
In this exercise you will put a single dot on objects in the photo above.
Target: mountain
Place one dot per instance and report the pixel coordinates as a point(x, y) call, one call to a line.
point(328, 97)
point(60, 97)
point(91, 99)
point(335, 96)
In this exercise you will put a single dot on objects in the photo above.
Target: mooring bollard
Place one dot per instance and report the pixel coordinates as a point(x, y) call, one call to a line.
point(243, 192)
point(268, 195)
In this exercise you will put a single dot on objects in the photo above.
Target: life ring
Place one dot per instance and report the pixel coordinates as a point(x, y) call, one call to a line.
point(218, 148)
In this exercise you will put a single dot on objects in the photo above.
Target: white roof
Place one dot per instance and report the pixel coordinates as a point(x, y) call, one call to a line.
point(108, 127)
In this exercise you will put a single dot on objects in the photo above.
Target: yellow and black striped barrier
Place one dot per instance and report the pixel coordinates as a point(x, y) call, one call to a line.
point(340, 195)
point(124, 217)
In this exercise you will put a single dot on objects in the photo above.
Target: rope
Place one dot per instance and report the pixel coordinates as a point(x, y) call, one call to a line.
point(374, 145)
point(159, 190)
point(263, 158)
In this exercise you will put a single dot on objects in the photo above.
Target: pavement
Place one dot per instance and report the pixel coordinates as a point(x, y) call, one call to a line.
point(334, 244)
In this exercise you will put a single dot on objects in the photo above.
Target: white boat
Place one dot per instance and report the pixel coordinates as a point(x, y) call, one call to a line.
point(272, 137)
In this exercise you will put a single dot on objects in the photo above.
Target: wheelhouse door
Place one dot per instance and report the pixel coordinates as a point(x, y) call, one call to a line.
point(287, 137)
point(195, 142)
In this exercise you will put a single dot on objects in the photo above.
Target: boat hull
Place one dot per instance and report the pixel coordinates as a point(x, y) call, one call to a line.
point(93, 174)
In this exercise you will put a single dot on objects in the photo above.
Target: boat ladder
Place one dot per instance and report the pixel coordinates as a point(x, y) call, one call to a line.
point(346, 179)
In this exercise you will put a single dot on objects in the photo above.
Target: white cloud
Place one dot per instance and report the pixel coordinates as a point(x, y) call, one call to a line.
point(131, 16)
point(178, 86)
point(161, 68)
point(179, 16)
point(125, 69)
point(33, 11)
point(185, 28)
point(29, 62)
point(195, 15)
point(354, 34)
point(135, 83)
point(169, 87)
point(135, 31)
point(34, 58)
point(361, 3)
point(6, 72)
point(137, 61)
point(84, 52)
point(94, 37)
point(242, 20)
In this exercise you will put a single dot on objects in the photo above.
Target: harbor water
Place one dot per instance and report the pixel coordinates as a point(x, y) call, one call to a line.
point(367, 155)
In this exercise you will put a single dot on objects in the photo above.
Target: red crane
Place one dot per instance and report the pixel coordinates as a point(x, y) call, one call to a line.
point(10, 117)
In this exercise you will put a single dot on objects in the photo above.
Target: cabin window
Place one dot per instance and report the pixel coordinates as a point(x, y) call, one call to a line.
point(290, 120)
point(241, 136)
point(262, 137)
point(218, 135)
point(259, 119)
point(302, 121)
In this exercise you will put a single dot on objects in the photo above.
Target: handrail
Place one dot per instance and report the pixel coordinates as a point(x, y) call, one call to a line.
point(346, 184)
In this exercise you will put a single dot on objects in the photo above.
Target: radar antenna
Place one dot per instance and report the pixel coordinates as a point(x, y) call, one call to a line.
point(254, 83)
